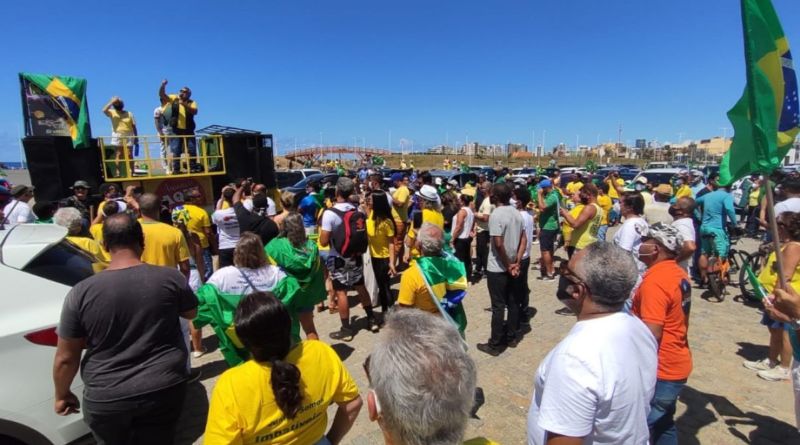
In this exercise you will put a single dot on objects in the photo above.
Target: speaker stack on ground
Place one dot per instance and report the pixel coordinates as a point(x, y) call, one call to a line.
point(54, 165)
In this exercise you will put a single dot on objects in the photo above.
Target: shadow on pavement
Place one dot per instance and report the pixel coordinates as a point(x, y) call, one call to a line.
point(702, 409)
point(342, 350)
point(213, 369)
point(192, 422)
point(750, 351)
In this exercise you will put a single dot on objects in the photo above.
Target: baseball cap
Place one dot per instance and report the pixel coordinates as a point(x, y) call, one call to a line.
point(20, 189)
point(453, 182)
point(544, 183)
point(428, 193)
point(641, 179)
point(397, 177)
point(666, 235)
point(437, 181)
point(80, 184)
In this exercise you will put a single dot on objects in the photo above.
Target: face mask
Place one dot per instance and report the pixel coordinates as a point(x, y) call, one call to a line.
point(512, 202)
point(639, 187)
point(679, 182)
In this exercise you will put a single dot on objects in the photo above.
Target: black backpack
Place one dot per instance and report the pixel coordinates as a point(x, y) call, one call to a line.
point(350, 238)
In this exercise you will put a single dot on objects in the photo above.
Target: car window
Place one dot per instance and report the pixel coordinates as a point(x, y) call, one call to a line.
point(62, 263)
point(286, 179)
point(658, 178)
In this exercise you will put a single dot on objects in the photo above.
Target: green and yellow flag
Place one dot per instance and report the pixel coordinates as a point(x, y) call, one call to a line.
point(68, 96)
point(446, 280)
point(303, 264)
point(765, 119)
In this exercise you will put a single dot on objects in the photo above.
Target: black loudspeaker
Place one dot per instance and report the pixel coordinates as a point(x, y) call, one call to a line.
point(247, 156)
point(54, 166)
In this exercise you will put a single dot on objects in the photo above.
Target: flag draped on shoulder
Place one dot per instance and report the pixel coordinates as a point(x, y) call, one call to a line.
point(222, 293)
point(446, 279)
point(765, 119)
point(69, 94)
point(302, 264)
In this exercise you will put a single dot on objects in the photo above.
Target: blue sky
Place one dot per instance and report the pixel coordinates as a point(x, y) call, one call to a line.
point(427, 72)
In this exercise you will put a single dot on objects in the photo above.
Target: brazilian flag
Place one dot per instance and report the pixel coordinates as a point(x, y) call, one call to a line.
point(765, 119)
point(446, 280)
point(303, 264)
point(69, 95)
point(223, 291)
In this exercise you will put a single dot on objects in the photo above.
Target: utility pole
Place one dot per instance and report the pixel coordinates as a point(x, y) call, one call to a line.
point(619, 136)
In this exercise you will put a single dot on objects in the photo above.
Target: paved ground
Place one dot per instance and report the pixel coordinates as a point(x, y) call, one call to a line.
point(724, 403)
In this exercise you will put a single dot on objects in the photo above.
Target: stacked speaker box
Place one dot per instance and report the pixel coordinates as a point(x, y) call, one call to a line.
point(247, 156)
point(54, 165)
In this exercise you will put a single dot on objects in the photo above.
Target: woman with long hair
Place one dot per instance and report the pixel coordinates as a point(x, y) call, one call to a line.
point(381, 230)
point(462, 227)
point(629, 235)
point(250, 272)
point(289, 206)
point(298, 256)
point(282, 392)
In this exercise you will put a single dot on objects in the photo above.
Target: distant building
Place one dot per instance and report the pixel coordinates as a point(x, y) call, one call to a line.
point(641, 143)
point(512, 148)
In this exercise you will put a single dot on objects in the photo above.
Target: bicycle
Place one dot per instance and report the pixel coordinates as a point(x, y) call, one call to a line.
point(755, 261)
point(718, 271)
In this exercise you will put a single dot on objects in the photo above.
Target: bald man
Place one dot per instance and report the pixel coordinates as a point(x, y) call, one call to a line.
point(681, 212)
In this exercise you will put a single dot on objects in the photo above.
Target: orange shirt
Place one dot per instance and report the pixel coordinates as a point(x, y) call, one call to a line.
point(659, 300)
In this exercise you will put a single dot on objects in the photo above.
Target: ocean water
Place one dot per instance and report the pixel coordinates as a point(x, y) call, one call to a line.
point(12, 165)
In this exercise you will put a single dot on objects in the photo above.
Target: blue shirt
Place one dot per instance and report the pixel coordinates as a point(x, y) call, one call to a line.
point(308, 208)
point(716, 206)
point(696, 188)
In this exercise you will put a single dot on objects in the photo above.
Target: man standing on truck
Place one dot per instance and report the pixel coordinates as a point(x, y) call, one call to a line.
point(178, 111)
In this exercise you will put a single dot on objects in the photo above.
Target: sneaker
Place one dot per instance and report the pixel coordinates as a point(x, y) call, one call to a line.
point(759, 365)
point(373, 325)
point(494, 351)
point(549, 278)
point(775, 374)
point(565, 311)
point(535, 242)
point(343, 334)
point(198, 354)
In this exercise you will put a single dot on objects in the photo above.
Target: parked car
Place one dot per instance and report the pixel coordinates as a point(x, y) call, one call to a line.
point(657, 176)
point(656, 165)
point(300, 187)
point(523, 172)
point(37, 268)
point(462, 178)
point(624, 172)
point(286, 178)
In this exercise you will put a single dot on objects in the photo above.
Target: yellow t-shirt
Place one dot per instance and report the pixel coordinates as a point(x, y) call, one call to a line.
point(400, 196)
point(198, 222)
point(769, 275)
point(683, 192)
point(380, 237)
point(587, 233)
point(566, 229)
point(181, 109)
point(164, 245)
point(414, 292)
point(428, 216)
point(574, 186)
point(122, 122)
point(612, 192)
point(605, 203)
point(242, 409)
point(90, 246)
point(752, 200)
point(96, 230)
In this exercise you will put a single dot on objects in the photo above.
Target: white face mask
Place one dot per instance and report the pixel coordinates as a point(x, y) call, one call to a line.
point(512, 202)
point(639, 187)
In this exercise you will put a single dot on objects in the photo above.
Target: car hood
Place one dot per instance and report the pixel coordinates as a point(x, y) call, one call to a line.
point(22, 243)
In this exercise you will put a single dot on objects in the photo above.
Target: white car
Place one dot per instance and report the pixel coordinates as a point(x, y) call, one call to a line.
point(37, 270)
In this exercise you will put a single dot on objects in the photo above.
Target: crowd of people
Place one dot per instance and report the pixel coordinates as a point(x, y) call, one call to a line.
point(615, 378)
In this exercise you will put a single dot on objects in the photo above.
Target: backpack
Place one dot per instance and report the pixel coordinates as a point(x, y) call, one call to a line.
point(350, 237)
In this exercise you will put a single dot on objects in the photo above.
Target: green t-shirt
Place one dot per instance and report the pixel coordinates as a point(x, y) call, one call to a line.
point(548, 218)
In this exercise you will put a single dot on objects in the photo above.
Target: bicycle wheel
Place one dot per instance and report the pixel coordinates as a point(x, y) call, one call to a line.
point(737, 259)
point(755, 261)
point(715, 284)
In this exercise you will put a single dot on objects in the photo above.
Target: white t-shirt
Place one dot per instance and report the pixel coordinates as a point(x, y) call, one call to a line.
point(271, 209)
point(788, 205)
point(597, 383)
point(685, 227)
point(21, 214)
point(331, 221)
point(227, 227)
point(527, 220)
point(469, 219)
point(628, 237)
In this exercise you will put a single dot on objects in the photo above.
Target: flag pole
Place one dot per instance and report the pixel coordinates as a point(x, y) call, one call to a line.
point(773, 229)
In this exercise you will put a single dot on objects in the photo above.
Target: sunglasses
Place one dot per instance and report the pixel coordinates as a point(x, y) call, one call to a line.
point(565, 271)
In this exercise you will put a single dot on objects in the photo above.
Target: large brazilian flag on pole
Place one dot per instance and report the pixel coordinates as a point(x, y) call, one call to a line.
point(765, 119)
point(69, 98)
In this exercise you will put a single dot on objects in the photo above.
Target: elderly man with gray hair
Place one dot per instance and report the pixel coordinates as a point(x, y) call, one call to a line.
point(435, 282)
point(595, 386)
point(422, 381)
point(72, 219)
